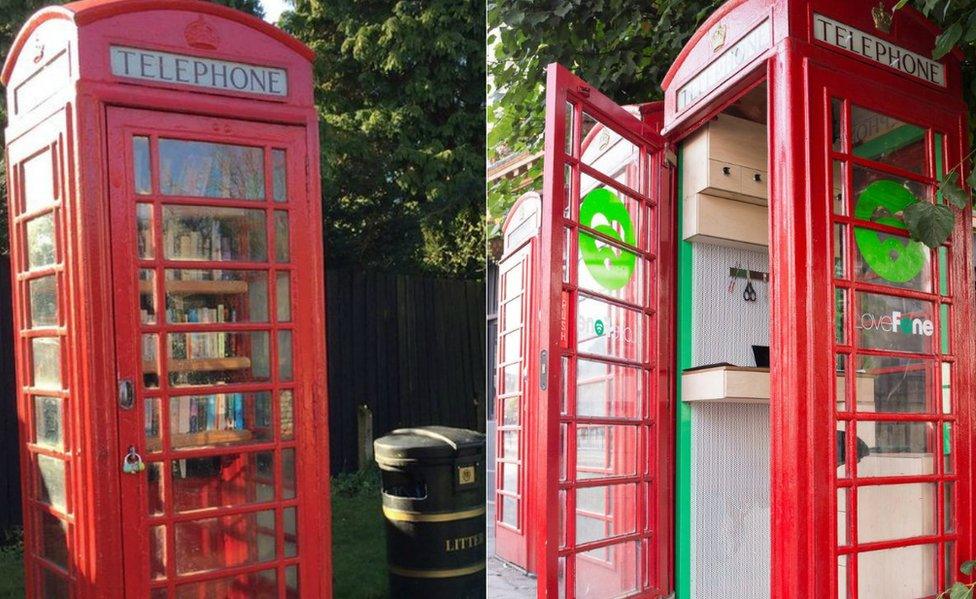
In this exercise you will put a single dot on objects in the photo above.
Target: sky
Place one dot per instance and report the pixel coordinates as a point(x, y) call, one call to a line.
point(273, 9)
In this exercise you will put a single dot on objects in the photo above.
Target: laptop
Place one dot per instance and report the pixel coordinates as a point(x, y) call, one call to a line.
point(761, 354)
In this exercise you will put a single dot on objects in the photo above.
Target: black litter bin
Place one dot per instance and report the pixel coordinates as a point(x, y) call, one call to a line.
point(434, 504)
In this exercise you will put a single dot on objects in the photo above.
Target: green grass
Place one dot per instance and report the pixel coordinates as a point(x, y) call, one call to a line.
point(359, 543)
point(11, 567)
point(358, 537)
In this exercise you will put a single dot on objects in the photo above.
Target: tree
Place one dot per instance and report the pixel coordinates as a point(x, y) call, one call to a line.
point(622, 47)
point(13, 14)
point(400, 92)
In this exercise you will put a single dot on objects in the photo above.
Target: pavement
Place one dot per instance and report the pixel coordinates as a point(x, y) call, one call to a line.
point(505, 581)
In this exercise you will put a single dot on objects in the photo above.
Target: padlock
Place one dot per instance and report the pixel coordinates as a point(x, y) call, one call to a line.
point(132, 462)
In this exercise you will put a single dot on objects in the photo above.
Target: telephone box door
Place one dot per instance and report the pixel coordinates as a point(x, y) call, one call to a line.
point(605, 357)
point(216, 458)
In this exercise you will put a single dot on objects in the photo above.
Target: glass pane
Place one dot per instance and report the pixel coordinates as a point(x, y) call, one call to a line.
point(289, 518)
point(610, 270)
point(40, 241)
point(894, 323)
point(880, 197)
point(224, 480)
point(157, 551)
point(946, 388)
point(51, 482)
point(605, 451)
point(508, 382)
point(886, 512)
point(511, 315)
point(152, 424)
point(841, 383)
point(840, 251)
point(510, 411)
point(608, 152)
point(43, 302)
point(949, 507)
point(840, 187)
point(220, 419)
point(943, 270)
point(212, 233)
point(608, 572)
point(224, 542)
point(204, 169)
point(38, 181)
point(54, 538)
point(901, 572)
point(150, 361)
point(510, 510)
point(216, 296)
point(605, 512)
point(155, 485)
point(611, 330)
point(885, 259)
point(142, 172)
point(512, 281)
point(147, 296)
point(895, 448)
point(46, 362)
point(288, 474)
point(48, 422)
point(283, 297)
point(511, 346)
point(840, 454)
point(840, 316)
point(608, 390)
point(837, 124)
point(254, 585)
point(895, 385)
point(291, 582)
point(568, 119)
point(285, 368)
point(944, 329)
point(281, 236)
point(887, 140)
point(286, 405)
point(279, 176)
point(509, 477)
point(947, 443)
point(145, 248)
point(611, 212)
point(841, 517)
point(216, 357)
point(510, 442)
point(53, 586)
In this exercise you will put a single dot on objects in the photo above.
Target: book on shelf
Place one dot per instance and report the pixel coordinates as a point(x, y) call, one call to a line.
point(217, 412)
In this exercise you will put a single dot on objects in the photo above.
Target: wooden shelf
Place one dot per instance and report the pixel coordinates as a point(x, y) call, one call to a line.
point(202, 364)
point(740, 384)
point(202, 439)
point(198, 287)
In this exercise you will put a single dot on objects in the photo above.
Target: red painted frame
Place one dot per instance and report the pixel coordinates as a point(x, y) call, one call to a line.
point(77, 117)
point(557, 335)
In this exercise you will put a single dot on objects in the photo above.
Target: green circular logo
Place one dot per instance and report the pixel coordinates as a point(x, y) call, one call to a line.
point(894, 259)
point(603, 211)
point(599, 328)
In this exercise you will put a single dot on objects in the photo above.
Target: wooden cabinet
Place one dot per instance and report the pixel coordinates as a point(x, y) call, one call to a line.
point(727, 159)
point(721, 221)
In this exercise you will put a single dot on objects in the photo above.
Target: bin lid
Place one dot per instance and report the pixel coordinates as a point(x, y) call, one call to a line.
point(428, 442)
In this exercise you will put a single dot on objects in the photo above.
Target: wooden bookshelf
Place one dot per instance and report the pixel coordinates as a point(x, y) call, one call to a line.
point(199, 287)
point(202, 439)
point(202, 364)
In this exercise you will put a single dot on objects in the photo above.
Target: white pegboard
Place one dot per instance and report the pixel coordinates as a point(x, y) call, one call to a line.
point(730, 501)
point(725, 326)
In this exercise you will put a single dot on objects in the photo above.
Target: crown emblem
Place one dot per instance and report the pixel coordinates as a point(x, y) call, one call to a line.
point(199, 34)
point(882, 18)
point(718, 37)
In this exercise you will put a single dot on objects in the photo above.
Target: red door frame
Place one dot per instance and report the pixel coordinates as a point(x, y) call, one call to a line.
point(85, 30)
point(557, 334)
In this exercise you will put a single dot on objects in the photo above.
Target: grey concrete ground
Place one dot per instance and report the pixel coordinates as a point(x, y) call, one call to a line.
point(504, 580)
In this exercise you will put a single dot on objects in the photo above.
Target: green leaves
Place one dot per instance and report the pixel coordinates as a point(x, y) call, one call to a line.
point(960, 591)
point(929, 223)
point(951, 191)
point(967, 568)
point(947, 40)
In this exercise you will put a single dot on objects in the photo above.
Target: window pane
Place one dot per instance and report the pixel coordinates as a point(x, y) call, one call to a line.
point(894, 323)
point(40, 241)
point(220, 419)
point(895, 448)
point(142, 173)
point(283, 297)
point(258, 585)
point(887, 140)
point(895, 385)
point(605, 451)
point(609, 571)
point(892, 260)
point(224, 480)
point(604, 512)
point(147, 296)
point(43, 301)
point(151, 423)
point(289, 517)
point(54, 538)
point(886, 512)
point(150, 361)
point(53, 586)
point(281, 236)
point(607, 390)
point(204, 169)
point(609, 329)
point(224, 542)
point(46, 362)
point(144, 231)
point(38, 182)
point(157, 552)
point(48, 422)
point(287, 473)
point(279, 176)
point(211, 233)
point(51, 482)
point(901, 572)
point(217, 357)
point(216, 296)
point(285, 368)
point(286, 407)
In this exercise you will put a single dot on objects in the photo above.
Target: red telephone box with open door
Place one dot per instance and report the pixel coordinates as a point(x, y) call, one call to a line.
point(166, 238)
point(795, 133)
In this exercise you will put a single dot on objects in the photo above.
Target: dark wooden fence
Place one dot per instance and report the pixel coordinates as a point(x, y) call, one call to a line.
point(411, 349)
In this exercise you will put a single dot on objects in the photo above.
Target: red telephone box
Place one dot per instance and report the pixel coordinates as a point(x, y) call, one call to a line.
point(166, 239)
point(747, 378)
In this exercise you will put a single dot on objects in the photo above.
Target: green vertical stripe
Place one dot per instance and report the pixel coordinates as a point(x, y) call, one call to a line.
point(682, 495)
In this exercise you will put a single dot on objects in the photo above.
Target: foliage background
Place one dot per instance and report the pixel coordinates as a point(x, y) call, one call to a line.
point(623, 48)
point(400, 94)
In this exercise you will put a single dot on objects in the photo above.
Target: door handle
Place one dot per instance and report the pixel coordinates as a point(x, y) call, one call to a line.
point(127, 395)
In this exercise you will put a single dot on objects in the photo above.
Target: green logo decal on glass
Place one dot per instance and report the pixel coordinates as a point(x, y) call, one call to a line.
point(611, 267)
point(894, 259)
point(599, 328)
